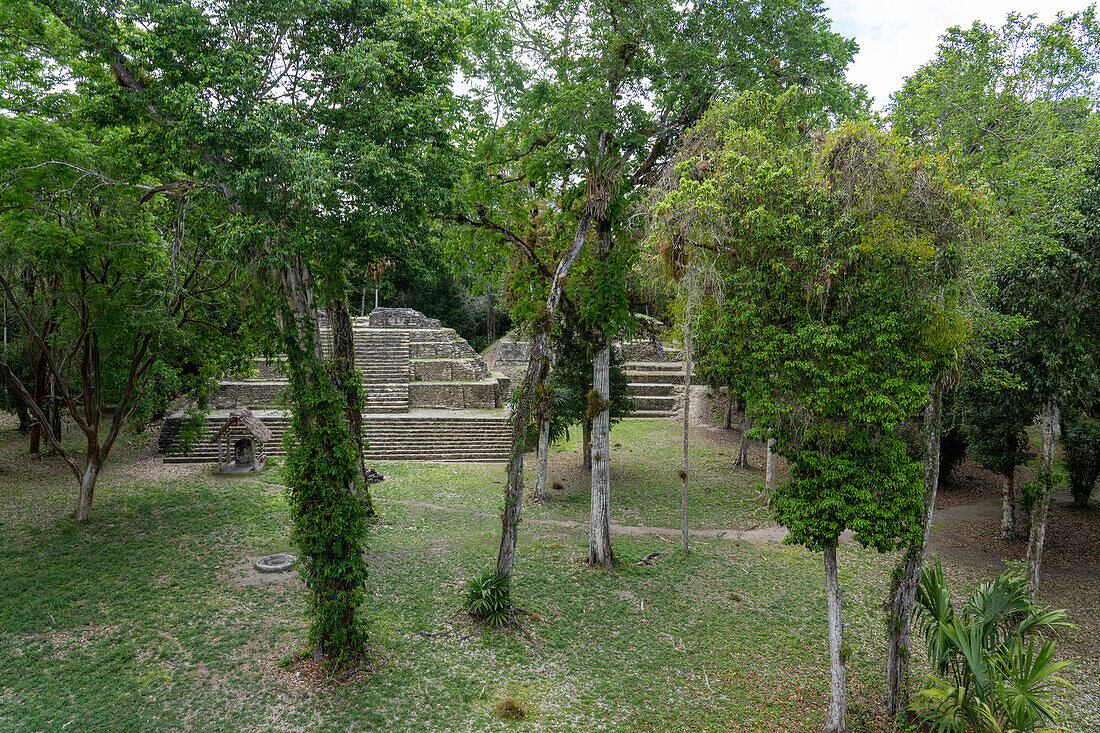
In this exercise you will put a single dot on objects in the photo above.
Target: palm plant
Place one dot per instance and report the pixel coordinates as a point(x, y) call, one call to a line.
point(993, 672)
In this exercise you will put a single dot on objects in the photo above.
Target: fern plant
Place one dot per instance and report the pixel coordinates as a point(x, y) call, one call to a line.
point(487, 597)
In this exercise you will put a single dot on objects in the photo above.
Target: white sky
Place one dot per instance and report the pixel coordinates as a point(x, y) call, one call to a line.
point(896, 37)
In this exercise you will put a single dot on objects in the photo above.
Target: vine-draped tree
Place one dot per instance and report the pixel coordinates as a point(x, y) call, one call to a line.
point(834, 257)
point(323, 126)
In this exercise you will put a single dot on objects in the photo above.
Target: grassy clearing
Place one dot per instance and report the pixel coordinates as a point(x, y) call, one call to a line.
point(148, 617)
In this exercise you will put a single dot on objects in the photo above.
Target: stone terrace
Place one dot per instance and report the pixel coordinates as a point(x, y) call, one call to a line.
point(430, 396)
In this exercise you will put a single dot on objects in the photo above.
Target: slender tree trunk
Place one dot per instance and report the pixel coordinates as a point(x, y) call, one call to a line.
point(835, 721)
point(538, 365)
point(1040, 507)
point(687, 426)
point(599, 538)
point(586, 444)
point(544, 457)
point(23, 414)
point(40, 388)
point(1008, 505)
point(348, 381)
point(87, 487)
point(362, 302)
point(905, 592)
point(491, 318)
point(770, 467)
point(742, 459)
point(729, 409)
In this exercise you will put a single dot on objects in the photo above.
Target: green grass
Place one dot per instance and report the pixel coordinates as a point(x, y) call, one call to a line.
point(139, 619)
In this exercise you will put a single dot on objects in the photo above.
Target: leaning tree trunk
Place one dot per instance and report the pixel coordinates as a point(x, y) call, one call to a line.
point(1040, 507)
point(1008, 505)
point(538, 365)
point(905, 592)
point(835, 721)
point(544, 457)
point(348, 381)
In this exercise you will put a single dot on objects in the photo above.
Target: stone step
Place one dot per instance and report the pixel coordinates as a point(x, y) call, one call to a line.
point(634, 377)
point(648, 414)
point(653, 366)
point(656, 403)
point(657, 389)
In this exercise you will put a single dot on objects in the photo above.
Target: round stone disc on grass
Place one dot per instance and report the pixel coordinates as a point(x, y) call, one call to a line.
point(279, 563)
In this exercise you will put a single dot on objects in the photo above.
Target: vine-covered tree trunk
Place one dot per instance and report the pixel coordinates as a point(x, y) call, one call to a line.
point(329, 523)
point(905, 592)
point(544, 457)
point(1040, 507)
point(838, 687)
point(347, 380)
point(538, 365)
point(1008, 505)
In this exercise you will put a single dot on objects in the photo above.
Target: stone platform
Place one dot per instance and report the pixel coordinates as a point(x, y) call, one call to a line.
point(429, 395)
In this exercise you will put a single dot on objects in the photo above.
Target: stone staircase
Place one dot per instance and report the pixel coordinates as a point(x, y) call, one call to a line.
point(431, 436)
point(656, 387)
point(205, 451)
point(382, 356)
point(422, 435)
point(429, 396)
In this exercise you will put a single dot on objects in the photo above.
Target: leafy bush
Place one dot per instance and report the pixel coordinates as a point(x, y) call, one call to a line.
point(1082, 442)
point(487, 597)
point(992, 669)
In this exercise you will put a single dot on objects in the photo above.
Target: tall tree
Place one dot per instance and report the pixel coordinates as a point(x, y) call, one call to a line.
point(323, 126)
point(589, 100)
point(831, 264)
point(107, 278)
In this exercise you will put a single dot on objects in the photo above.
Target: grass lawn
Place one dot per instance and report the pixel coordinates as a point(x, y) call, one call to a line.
point(148, 617)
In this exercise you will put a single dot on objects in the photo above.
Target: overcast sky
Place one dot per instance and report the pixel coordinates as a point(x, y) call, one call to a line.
point(896, 37)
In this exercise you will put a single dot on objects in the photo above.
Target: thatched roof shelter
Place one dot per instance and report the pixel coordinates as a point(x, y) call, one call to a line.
point(243, 416)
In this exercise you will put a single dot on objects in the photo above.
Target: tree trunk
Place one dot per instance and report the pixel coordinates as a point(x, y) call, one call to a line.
point(1040, 507)
point(599, 538)
point(348, 381)
point(687, 420)
point(835, 721)
point(23, 414)
point(40, 388)
point(742, 459)
point(729, 409)
point(87, 488)
point(905, 592)
point(770, 467)
point(1008, 505)
point(538, 365)
point(544, 457)
point(491, 318)
point(586, 441)
point(325, 508)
